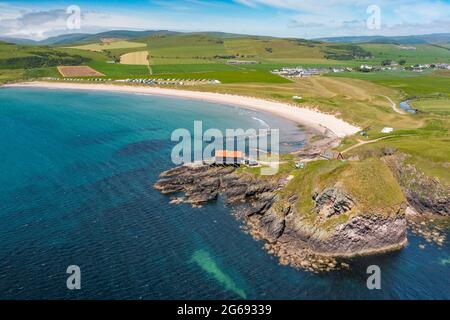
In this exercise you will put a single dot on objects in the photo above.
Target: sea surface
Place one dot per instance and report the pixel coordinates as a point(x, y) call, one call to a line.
point(76, 176)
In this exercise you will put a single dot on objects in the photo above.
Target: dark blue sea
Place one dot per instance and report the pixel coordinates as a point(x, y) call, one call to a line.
point(76, 176)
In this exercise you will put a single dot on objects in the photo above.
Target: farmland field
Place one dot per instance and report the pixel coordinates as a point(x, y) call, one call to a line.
point(79, 71)
point(433, 106)
point(192, 68)
point(135, 58)
point(417, 86)
point(422, 53)
point(203, 48)
point(412, 84)
point(121, 71)
point(109, 46)
point(186, 46)
point(230, 76)
point(272, 49)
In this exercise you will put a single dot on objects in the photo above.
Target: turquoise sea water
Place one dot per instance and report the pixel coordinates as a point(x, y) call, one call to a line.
point(76, 176)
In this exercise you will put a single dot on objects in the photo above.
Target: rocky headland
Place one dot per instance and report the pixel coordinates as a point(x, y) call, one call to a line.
point(425, 194)
point(310, 228)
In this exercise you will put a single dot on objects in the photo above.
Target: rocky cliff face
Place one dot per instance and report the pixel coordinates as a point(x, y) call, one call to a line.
point(274, 218)
point(425, 194)
point(363, 235)
point(355, 234)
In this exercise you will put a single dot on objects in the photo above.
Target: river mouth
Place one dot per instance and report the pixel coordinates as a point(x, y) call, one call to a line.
point(405, 105)
point(76, 187)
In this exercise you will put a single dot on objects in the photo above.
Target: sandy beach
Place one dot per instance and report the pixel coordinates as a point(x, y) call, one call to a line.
point(325, 123)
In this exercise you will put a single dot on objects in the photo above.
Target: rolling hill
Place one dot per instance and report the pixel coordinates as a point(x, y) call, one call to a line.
point(204, 54)
point(437, 38)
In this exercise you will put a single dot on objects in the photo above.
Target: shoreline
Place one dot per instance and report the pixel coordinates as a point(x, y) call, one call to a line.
point(326, 124)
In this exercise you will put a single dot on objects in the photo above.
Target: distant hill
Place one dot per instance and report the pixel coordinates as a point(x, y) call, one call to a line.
point(86, 38)
point(79, 38)
point(64, 38)
point(436, 38)
point(17, 40)
point(222, 35)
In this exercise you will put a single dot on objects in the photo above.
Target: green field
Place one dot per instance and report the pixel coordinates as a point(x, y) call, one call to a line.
point(205, 48)
point(411, 83)
point(121, 71)
point(11, 75)
point(422, 54)
point(30, 57)
point(230, 76)
point(419, 86)
point(433, 106)
point(209, 52)
point(429, 153)
point(187, 46)
point(192, 68)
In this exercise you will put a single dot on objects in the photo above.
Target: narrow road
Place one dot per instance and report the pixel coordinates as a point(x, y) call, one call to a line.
point(149, 63)
point(361, 142)
point(394, 106)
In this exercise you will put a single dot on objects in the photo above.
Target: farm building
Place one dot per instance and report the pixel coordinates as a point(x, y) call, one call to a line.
point(229, 157)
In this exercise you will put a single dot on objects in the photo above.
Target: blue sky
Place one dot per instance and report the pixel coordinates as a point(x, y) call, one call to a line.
point(284, 18)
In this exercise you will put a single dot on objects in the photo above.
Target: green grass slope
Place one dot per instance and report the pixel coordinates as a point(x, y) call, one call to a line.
point(370, 183)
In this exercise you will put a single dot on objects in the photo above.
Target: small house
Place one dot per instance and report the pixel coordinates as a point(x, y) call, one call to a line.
point(229, 157)
point(387, 130)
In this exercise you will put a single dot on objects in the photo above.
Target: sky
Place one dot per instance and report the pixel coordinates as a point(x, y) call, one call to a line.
point(309, 19)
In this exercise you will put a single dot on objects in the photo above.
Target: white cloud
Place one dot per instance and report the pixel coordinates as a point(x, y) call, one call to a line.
point(38, 25)
point(337, 17)
point(284, 18)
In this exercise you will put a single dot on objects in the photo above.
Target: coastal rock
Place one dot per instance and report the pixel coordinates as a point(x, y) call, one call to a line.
point(363, 234)
point(424, 194)
point(273, 226)
point(352, 235)
point(201, 184)
point(332, 202)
